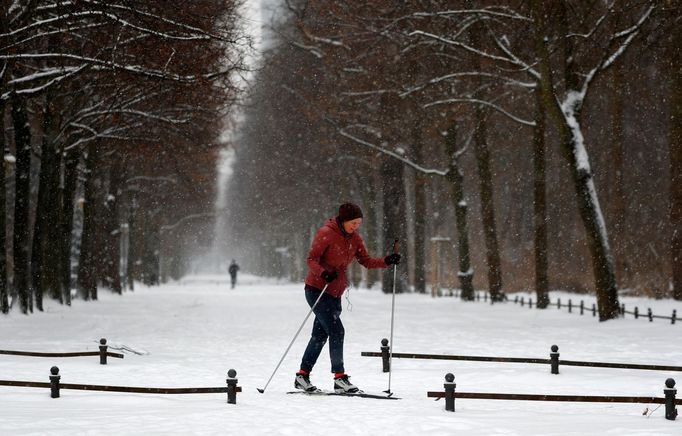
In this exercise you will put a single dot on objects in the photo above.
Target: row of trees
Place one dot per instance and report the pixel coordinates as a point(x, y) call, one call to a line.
point(111, 114)
point(556, 123)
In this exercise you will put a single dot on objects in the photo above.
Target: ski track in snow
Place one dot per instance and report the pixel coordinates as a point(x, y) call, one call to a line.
point(194, 332)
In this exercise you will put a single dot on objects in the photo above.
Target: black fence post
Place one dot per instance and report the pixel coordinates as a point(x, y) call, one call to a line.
point(582, 306)
point(636, 312)
point(594, 309)
point(103, 351)
point(530, 303)
point(558, 303)
point(522, 302)
point(570, 306)
point(54, 382)
point(231, 386)
point(622, 310)
point(670, 391)
point(554, 359)
point(385, 356)
point(650, 315)
point(672, 319)
point(449, 392)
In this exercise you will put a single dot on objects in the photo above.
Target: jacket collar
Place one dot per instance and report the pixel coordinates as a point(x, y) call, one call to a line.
point(340, 225)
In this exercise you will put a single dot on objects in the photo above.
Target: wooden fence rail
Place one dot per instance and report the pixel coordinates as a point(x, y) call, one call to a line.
point(553, 360)
point(103, 353)
point(450, 394)
point(55, 385)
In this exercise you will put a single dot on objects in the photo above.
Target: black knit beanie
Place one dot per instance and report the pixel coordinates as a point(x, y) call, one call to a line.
point(349, 211)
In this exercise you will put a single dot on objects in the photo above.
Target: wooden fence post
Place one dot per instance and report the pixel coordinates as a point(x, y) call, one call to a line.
point(670, 391)
point(672, 319)
point(103, 351)
point(385, 356)
point(231, 386)
point(554, 359)
point(54, 382)
point(449, 392)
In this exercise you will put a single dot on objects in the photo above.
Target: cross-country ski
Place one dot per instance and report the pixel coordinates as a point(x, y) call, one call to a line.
point(359, 394)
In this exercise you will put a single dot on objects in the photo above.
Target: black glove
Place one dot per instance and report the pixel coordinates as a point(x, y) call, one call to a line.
point(392, 259)
point(329, 276)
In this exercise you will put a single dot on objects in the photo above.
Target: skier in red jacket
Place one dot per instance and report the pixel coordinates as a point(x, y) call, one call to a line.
point(333, 249)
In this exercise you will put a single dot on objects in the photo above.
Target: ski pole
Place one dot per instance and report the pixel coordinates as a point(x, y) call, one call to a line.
point(390, 355)
point(292, 341)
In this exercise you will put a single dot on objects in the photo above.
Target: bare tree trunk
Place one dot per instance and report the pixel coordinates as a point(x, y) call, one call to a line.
point(111, 249)
point(456, 179)
point(394, 225)
point(618, 235)
point(46, 208)
point(487, 195)
point(134, 237)
point(540, 205)
point(371, 215)
point(22, 135)
point(4, 147)
point(576, 155)
point(69, 187)
point(87, 265)
point(675, 144)
point(4, 296)
point(487, 206)
point(419, 216)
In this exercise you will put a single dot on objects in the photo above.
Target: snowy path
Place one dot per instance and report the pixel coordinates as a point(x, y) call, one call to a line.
point(195, 332)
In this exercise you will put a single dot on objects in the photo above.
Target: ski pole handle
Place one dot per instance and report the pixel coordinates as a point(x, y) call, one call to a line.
point(395, 246)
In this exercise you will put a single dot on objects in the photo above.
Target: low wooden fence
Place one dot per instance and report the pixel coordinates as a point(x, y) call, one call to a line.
point(553, 360)
point(578, 308)
point(55, 386)
point(449, 393)
point(103, 353)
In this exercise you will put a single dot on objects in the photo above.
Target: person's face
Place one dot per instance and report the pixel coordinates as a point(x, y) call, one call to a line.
point(352, 225)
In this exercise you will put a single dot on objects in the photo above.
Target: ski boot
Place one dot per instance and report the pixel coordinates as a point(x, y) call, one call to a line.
point(302, 382)
point(343, 386)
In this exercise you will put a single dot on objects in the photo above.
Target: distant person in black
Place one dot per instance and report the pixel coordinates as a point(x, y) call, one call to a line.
point(233, 268)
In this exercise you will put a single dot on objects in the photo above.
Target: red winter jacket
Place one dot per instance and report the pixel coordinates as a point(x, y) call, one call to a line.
point(333, 250)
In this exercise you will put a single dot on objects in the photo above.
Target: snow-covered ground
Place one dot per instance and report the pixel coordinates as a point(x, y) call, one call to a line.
point(192, 332)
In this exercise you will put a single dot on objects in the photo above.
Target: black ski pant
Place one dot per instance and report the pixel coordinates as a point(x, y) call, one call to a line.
point(327, 325)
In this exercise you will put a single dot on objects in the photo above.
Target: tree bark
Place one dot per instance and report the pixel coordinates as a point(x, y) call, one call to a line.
point(675, 145)
point(540, 205)
point(22, 139)
point(456, 180)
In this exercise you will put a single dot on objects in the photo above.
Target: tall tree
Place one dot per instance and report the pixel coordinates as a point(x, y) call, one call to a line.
point(675, 146)
point(22, 140)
